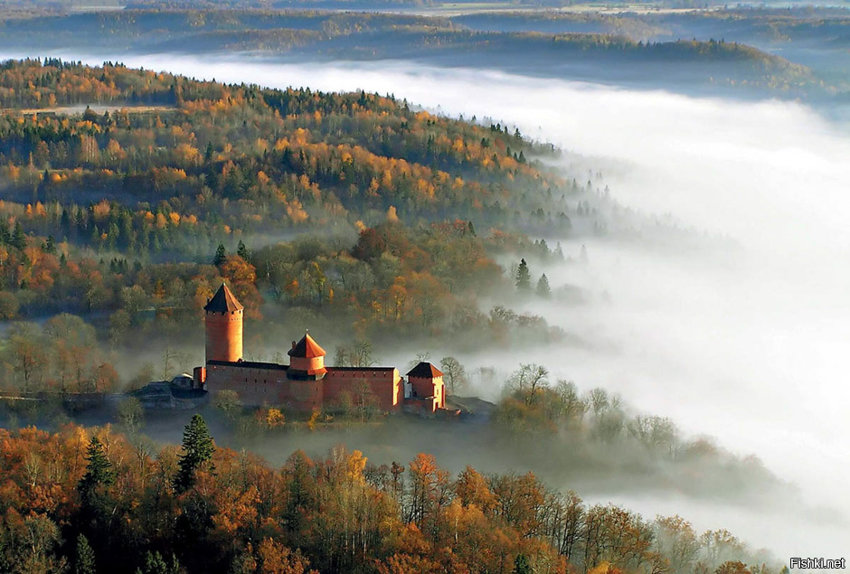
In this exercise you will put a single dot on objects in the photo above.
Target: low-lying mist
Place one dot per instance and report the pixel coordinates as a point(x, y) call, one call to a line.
point(743, 338)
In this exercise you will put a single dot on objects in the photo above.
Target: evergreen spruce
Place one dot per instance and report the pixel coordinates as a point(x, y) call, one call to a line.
point(98, 470)
point(242, 251)
point(85, 563)
point(90, 115)
point(220, 255)
point(19, 238)
point(156, 564)
point(521, 565)
point(198, 448)
point(523, 277)
point(543, 287)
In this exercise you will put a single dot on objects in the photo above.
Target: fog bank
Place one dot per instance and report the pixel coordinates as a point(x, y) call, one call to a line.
point(747, 342)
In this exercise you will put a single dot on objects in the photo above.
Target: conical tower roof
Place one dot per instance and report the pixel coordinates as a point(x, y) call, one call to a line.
point(307, 348)
point(224, 301)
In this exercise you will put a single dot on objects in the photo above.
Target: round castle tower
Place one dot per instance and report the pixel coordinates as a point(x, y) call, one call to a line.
point(223, 324)
point(306, 360)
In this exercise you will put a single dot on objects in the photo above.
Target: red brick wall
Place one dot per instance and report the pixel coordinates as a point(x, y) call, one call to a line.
point(426, 387)
point(385, 385)
point(254, 386)
point(224, 336)
point(258, 387)
point(301, 395)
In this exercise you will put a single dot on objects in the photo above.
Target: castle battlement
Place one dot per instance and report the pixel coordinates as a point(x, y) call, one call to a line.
point(306, 384)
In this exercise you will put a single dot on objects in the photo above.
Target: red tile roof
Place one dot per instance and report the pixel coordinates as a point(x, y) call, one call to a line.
point(224, 301)
point(425, 370)
point(307, 347)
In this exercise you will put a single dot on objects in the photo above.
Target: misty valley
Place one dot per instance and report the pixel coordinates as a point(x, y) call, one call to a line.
point(417, 287)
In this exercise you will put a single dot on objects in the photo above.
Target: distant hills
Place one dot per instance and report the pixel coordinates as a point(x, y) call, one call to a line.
point(594, 55)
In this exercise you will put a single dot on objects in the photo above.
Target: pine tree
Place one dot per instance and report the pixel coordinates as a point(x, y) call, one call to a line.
point(220, 255)
point(98, 470)
point(156, 564)
point(90, 115)
point(198, 448)
point(523, 277)
point(543, 287)
point(65, 221)
point(521, 565)
point(19, 238)
point(85, 562)
point(242, 251)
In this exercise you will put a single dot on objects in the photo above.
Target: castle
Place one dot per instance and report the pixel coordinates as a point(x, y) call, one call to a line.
point(306, 384)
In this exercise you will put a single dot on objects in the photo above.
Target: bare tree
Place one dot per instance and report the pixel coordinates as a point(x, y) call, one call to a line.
point(529, 379)
point(172, 360)
point(571, 407)
point(131, 414)
point(454, 373)
point(359, 354)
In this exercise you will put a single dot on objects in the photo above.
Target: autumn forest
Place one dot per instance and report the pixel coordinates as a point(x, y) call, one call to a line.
point(129, 196)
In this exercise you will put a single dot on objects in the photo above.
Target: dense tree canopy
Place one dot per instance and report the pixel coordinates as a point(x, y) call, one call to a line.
point(335, 514)
point(118, 183)
point(130, 195)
